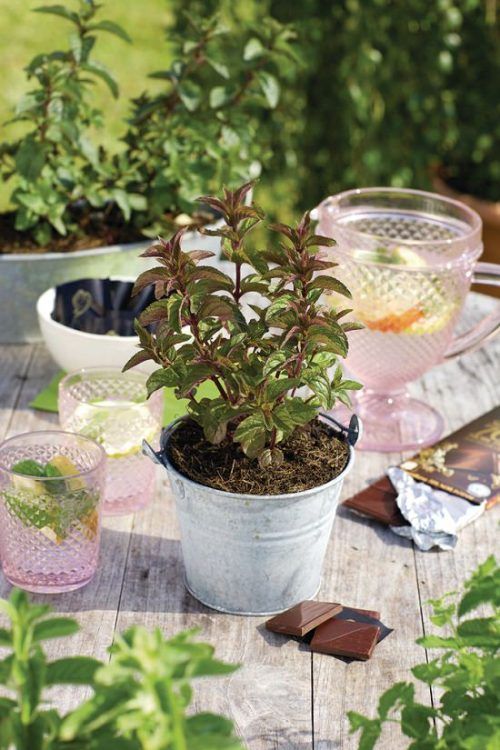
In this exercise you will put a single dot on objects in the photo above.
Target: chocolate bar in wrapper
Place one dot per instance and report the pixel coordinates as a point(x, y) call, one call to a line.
point(466, 463)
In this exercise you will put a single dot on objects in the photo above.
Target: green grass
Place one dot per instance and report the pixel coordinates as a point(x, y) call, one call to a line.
point(23, 34)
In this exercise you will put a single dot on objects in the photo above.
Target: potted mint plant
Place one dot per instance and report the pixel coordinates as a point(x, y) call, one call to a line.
point(255, 472)
point(79, 210)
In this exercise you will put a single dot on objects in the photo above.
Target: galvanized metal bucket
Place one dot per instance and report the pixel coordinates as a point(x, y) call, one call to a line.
point(251, 554)
point(25, 276)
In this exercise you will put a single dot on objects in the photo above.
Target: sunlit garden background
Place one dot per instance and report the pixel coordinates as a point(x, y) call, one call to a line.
point(385, 92)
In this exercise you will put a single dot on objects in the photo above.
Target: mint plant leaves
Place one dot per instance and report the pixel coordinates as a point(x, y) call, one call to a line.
point(201, 129)
point(260, 362)
point(466, 675)
point(139, 698)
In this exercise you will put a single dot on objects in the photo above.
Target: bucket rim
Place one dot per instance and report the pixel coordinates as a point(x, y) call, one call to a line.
point(167, 464)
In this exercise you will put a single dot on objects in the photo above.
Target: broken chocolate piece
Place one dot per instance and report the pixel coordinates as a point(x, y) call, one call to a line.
point(384, 484)
point(345, 638)
point(367, 616)
point(379, 504)
point(303, 618)
point(359, 615)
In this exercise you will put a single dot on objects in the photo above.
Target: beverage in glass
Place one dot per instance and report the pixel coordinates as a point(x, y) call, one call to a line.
point(112, 408)
point(51, 486)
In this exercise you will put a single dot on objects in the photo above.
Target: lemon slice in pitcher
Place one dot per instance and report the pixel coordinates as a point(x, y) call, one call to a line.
point(394, 256)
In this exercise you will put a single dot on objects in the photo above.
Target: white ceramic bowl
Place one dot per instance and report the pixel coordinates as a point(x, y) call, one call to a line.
point(76, 350)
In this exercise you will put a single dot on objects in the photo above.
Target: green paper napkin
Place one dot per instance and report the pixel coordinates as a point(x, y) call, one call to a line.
point(46, 400)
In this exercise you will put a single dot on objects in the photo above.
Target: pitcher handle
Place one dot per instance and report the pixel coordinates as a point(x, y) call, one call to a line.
point(484, 273)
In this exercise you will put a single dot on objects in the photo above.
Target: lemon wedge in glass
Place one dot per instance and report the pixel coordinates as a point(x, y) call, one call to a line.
point(119, 426)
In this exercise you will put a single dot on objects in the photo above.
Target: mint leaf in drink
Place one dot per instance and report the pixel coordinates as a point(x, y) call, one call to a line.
point(29, 468)
point(55, 488)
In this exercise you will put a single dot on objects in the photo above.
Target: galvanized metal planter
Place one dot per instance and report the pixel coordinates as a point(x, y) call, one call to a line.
point(24, 277)
point(251, 554)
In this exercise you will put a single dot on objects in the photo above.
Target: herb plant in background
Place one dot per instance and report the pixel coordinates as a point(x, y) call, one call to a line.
point(363, 112)
point(469, 152)
point(372, 115)
point(139, 699)
point(257, 363)
point(69, 192)
point(465, 678)
point(207, 127)
point(56, 171)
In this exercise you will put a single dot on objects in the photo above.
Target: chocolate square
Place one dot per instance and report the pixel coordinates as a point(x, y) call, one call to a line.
point(303, 618)
point(379, 504)
point(359, 615)
point(345, 638)
point(366, 616)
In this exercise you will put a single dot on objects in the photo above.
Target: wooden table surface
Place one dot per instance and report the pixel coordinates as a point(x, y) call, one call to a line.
point(283, 697)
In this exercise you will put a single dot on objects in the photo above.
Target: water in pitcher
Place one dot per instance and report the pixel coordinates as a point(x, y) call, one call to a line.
point(408, 316)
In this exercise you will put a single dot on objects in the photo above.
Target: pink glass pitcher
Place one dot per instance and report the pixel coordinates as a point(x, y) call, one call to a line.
point(409, 259)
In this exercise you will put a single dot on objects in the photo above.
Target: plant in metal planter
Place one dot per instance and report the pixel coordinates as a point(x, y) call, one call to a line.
point(258, 436)
point(68, 193)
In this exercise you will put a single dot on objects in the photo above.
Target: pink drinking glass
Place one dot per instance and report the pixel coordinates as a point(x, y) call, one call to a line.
point(50, 526)
point(409, 258)
point(112, 408)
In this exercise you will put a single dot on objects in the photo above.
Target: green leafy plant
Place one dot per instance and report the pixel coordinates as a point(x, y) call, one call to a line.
point(346, 122)
point(465, 713)
point(469, 152)
point(57, 172)
point(257, 363)
point(139, 699)
point(203, 129)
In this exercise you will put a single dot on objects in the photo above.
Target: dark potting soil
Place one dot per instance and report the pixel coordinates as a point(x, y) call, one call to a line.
point(96, 230)
point(98, 234)
point(312, 456)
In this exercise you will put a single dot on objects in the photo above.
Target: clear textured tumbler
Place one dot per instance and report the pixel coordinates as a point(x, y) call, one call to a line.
point(409, 258)
point(51, 486)
point(112, 408)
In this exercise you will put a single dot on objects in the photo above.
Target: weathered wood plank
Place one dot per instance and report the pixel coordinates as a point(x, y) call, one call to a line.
point(369, 567)
point(14, 363)
point(270, 697)
point(40, 370)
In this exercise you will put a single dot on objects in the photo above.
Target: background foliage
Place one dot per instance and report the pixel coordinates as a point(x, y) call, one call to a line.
point(387, 89)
